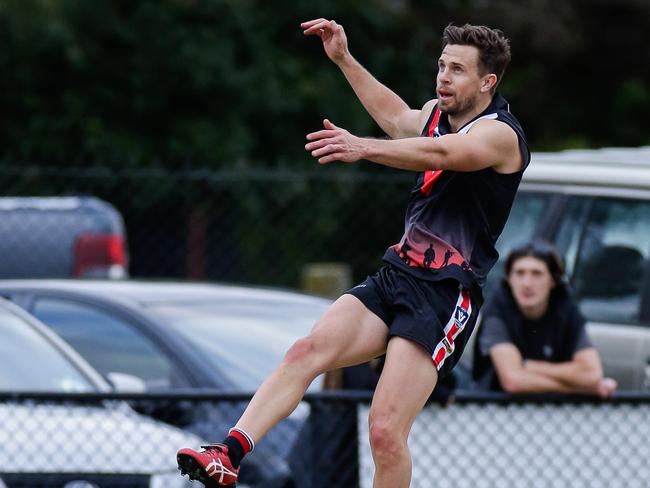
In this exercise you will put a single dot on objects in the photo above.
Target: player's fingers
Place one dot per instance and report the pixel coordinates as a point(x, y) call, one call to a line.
point(320, 134)
point(334, 27)
point(319, 143)
point(309, 23)
point(318, 29)
point(331, 157)
point(327, 123)
point(327, 149)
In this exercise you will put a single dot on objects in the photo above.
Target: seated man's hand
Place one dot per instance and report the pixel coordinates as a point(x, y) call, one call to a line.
point(606, 387)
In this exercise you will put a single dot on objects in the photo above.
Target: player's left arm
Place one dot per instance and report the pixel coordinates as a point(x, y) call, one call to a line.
point(490, 143)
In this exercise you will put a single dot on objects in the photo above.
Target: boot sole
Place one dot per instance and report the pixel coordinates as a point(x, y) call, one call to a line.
point(188, 466)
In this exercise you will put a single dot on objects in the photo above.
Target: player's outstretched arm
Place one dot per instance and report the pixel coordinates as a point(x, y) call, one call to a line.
point(489, 144)
point(392, 114)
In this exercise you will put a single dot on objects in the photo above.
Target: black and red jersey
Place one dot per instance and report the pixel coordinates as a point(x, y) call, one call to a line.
point(454, 218)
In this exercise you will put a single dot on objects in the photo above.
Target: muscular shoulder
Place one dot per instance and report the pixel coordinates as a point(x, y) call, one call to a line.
point(503, 141)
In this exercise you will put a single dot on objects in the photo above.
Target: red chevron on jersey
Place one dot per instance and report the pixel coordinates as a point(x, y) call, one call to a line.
point(431, 176)
point(434, 124)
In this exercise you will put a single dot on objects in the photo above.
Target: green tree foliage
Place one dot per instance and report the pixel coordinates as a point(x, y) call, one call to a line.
point(233, 83)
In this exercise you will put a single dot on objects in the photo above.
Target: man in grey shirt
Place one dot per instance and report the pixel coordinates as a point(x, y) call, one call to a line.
point(533, 337)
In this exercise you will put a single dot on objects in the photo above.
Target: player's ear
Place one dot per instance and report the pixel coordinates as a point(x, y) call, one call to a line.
point(488, 82)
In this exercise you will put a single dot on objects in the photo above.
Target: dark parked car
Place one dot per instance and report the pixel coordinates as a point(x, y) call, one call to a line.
point(61, 237)
point(46, 444)
point(169, 336)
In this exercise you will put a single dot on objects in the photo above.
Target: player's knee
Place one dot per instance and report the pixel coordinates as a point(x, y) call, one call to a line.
point(301, 352)
point(385, 438)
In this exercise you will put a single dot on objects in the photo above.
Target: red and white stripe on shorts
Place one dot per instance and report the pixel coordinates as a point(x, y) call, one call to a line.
point(459, 317)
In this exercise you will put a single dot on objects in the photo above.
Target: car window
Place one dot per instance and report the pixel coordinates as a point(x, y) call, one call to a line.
point(105, 341)
point(527, 211)
point(245, 341)
point(570, 231)
point(609, 267)
point(30, 362)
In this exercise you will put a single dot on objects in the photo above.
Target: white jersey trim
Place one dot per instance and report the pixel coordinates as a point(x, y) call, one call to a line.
point(466, 128)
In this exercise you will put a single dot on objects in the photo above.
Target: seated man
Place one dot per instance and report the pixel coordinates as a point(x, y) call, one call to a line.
point(533, 337)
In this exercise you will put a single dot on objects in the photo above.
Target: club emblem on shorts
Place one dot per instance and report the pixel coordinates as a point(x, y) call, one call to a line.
point(461, 316)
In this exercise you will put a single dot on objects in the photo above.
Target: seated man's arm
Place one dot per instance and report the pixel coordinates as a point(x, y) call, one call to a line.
point(582, 374)
point(515, 378)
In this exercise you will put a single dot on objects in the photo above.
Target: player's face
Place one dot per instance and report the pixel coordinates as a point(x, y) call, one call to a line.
point(459, 81)
point(531, 283)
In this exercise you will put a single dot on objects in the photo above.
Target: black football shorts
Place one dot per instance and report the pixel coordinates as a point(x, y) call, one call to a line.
point(438, 315)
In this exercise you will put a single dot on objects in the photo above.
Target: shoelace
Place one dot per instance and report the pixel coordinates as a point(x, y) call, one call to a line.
point(210, 447)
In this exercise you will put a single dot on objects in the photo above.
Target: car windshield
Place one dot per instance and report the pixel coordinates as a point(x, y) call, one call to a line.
point(245, 341)
point(30, 362)
point(527, 210)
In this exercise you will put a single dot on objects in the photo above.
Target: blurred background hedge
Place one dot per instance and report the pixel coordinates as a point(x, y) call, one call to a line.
point(190, 115)
point(234, 84)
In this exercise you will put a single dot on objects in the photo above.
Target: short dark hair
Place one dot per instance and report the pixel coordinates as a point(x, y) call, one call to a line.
point(544, 251)
point(493, 46)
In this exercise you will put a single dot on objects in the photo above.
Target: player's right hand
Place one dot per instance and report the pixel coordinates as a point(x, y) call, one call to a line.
point(332, 34)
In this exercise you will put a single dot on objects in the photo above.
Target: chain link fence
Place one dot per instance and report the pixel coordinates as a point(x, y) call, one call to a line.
point(259, 227)
point(487, 440)
point(483, 443)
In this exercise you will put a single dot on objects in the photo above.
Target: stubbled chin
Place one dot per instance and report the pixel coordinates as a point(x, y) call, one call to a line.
point(448, 107)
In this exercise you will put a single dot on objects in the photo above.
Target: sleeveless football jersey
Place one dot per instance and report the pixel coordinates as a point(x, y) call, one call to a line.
point(454, 218)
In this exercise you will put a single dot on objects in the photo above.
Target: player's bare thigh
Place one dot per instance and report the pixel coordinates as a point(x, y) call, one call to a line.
point(407, 380)
point(348, 334)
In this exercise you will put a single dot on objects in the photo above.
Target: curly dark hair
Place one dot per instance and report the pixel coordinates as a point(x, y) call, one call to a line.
point(493, 46)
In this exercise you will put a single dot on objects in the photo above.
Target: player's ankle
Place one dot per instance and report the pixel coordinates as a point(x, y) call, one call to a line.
point(239, 444)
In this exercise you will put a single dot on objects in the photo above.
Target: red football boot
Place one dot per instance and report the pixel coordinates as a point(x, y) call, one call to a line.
point(212, 466)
